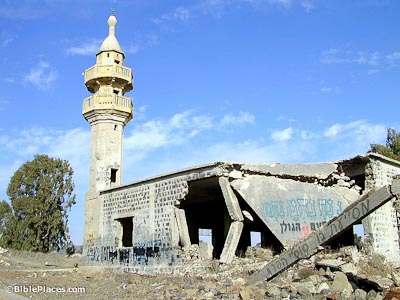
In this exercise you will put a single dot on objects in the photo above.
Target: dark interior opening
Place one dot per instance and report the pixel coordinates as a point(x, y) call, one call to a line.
point(205, 208)
point(127, 230)
point(113, 176)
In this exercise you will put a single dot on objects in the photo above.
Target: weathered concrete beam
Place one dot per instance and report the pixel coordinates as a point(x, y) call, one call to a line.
point(395, 187)
point(183, 230)
point(231, 200)
point(365, 205)
point(231, 242)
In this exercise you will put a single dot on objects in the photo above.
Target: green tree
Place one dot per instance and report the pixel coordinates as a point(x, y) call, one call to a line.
point(41, 194)
point(392, 147)
point(5, 215)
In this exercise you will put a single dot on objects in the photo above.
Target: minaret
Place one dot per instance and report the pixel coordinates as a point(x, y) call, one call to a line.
point(107, 111)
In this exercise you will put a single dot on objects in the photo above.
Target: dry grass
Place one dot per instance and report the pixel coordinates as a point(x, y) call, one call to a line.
point(24, 259)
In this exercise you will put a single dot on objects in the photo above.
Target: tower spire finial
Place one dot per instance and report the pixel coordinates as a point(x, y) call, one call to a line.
point(112, 11)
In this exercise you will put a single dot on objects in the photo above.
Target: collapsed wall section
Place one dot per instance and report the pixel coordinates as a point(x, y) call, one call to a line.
point(294, 200)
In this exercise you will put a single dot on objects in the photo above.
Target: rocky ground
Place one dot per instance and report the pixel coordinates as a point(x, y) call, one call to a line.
point(343, 274)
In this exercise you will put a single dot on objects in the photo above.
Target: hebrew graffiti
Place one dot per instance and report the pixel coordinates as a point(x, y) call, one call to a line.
point(301, 216)
point(295, 210)
point(273, 209)
point(365, 205)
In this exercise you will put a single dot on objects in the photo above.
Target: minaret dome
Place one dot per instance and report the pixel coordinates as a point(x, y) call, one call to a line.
point(111, 43)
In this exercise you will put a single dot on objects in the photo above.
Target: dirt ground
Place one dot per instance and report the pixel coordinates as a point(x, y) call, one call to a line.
point(55, 276)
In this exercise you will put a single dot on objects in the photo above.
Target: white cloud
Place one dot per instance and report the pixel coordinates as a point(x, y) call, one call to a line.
point(237, 120)
point(333, 130)
point(283, 3)
point(374, 59)
point(372, 71)
point(282, 135)
point(9, 79)
point(3, 102)
point(42, 76)
point(180, 13)
point(19, 146)
point(155, 134)
point(185, 139)
point(67, 144)
point(326, 89)
point(25, 11)
point(393, 58)
point(148, 41)
point(308, 5)
point(5, 41)
point(180, 131)
point(218, 7)
point(90, 47)
point(357, 130)
point(329, 90)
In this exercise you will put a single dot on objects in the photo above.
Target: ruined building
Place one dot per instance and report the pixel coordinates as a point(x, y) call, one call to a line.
point(146, 222)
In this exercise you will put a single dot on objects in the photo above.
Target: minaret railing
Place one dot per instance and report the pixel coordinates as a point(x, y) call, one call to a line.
point(113, 101)
point(98, 71)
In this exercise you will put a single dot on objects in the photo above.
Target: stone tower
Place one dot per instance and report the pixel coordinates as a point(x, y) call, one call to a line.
point(107, 111)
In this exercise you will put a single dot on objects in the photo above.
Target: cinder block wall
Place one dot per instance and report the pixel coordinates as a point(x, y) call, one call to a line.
point(381, 227)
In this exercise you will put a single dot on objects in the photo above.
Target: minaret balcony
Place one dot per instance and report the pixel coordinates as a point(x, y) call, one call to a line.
point(114, 72)
point(107, 102)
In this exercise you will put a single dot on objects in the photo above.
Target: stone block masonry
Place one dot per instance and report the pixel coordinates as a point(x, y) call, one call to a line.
point(149, 222)
point(144, 213)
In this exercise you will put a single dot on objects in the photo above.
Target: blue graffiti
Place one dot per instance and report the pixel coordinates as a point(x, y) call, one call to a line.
point(273, 209)
point(326, 208)
point(299, 209)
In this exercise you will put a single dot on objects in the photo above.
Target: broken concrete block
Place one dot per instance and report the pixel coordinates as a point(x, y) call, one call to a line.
point(231, 201)
point(231, 242)
point(180, 217)
point(205, 250)
point(341, 284)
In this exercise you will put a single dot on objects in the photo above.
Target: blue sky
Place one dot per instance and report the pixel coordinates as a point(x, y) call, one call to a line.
point(215, 80)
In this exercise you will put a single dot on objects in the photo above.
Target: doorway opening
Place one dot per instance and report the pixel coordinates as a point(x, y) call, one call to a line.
point(127, 231)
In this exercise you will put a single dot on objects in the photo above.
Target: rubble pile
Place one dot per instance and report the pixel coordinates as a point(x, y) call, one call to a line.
point(344, 274)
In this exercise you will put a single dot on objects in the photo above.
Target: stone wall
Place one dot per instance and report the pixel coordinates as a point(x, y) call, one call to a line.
point(380, 228)
point(149, 205)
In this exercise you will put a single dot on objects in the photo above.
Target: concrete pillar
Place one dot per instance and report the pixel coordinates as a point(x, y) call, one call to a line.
point(236, 226)
point(231, 242)
point(231, 201)
point(183, 230)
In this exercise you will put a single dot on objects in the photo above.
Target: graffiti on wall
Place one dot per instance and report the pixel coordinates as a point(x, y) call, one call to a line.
point(301, 216)
point(297, 227)
point(297, 209)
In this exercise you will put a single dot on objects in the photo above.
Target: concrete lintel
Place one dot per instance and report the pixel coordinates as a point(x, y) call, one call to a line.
point(231, 242)
point(180, 217)
point(231, 201)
